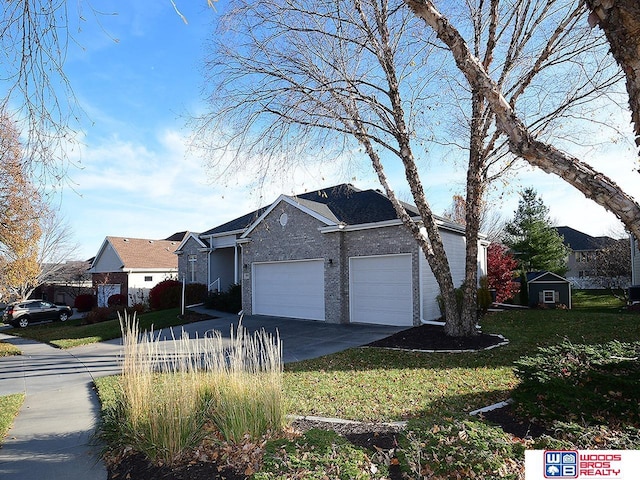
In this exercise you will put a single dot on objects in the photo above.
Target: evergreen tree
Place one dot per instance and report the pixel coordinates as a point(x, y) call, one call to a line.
point(531, 237)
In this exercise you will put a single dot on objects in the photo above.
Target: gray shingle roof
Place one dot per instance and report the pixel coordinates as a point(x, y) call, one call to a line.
point(579, 241)
point(341, 203)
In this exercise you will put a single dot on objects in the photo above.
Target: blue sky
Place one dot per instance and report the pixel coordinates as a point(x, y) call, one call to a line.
point(135, 177)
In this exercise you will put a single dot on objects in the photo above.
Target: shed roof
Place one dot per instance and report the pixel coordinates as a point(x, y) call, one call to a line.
point(545, 277)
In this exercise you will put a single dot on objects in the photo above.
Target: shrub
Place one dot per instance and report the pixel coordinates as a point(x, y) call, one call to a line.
point(575, 436)
point(484, 295)
point(84, 302)
point(595, 384)
point(138, 308)
point(165, 294)
point(461, 448)
point(229, 301)
point(318, 454)
point(100, 314)
point(195, 293)
point(117, 300)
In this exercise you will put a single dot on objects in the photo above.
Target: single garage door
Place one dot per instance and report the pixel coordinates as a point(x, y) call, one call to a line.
point(289, 289)
point(381, 290)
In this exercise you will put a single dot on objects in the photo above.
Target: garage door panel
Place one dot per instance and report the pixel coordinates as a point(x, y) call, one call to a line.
point(381, 290)
point(289, 289)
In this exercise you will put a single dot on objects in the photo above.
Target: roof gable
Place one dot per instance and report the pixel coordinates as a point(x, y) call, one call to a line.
point(308, 207)
point(340, 204)
point(196, 238)
point(545, 277)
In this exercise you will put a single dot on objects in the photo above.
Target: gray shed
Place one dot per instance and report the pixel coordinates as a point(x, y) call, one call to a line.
point(548, 289)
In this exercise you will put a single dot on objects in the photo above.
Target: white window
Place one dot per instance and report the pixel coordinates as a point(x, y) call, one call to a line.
point(549, 296)
point(192, 267)
point(148, 278)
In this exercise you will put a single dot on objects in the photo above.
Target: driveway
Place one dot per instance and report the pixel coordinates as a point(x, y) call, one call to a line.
point(51, 435)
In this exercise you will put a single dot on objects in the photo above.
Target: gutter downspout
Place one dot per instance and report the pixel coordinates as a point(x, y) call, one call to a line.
point(209, 251)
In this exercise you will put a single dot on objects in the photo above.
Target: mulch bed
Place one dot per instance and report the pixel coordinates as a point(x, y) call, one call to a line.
point(432, 337)
point(191, 317)
point(516, 426)
point(371, 436)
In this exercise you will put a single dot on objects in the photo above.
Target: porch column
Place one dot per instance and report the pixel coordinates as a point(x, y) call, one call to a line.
point(235, 263)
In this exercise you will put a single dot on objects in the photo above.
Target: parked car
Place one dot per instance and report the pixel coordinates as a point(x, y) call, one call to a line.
point(22, 314)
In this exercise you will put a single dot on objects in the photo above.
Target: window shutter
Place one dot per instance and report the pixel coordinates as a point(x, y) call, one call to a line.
point(540, 297)
point(556, 296)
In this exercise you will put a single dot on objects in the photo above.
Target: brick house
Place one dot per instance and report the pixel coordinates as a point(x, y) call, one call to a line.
point(338, 255)
point(132, 266)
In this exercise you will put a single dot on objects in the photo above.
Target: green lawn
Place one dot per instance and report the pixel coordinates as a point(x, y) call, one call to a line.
point(596, 300)
point(9, 408)
point(435, 392)
point(377, 384)
point(71, 333)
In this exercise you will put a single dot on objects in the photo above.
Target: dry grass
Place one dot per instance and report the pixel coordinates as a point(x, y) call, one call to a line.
point(169, 390)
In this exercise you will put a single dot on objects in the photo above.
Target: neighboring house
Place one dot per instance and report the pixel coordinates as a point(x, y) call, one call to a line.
point(64, 282)
point(635, 261)
point(338, 255)
point(548, 289)
point(132, 266)
point(582, 267)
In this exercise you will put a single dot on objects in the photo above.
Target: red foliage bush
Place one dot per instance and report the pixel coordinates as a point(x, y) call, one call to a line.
point(500, 272)
point(165, 294)
point(84, 302)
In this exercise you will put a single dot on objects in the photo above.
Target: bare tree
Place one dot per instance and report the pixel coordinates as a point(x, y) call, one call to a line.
point(492, 222)
point(611, 267)
point(329, 73)
point(56, 246)
point(34, 36)
point(526, 45)
point(620, 21)
point(522, 141)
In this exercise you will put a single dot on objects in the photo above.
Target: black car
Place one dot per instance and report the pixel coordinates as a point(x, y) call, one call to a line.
point(22, 314)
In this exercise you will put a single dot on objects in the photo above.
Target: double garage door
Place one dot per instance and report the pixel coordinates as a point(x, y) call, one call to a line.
point(380, 289)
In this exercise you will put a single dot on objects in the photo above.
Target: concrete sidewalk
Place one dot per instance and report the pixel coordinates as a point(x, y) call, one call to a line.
point(51, 437)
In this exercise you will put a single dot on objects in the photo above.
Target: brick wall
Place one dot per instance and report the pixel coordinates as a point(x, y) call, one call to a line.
point(300, 239)
point(191, 247)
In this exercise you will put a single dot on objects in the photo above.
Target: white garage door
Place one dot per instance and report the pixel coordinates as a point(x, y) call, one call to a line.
point(381, 290)
point(289, 289)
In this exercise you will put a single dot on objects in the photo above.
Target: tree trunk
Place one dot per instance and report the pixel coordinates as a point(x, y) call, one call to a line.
point(620, 21)
point(591, 183)
point(432, 244)
point(475, 190)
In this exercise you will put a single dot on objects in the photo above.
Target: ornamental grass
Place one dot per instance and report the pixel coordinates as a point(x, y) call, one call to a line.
point(170, 390)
